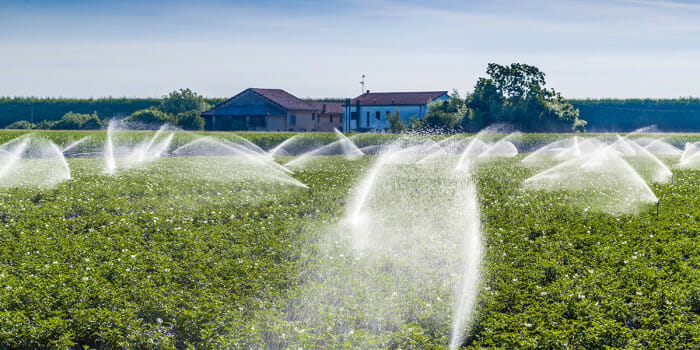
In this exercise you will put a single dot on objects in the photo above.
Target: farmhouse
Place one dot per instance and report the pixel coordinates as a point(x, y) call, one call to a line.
point(370, 111)
point(273, 110)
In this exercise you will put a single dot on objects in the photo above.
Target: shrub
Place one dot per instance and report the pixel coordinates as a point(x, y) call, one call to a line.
point(190, 120)
point(45, 124)
point(77, 121)
point(395, 123)
point(21, 124)
point(150, 116)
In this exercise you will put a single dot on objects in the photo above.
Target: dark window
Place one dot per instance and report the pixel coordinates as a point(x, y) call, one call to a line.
point(331, 119)
point(368, 119)
point(388, 113)
point(353, 116)
point(257, 122)
point(292, 119)
point(313, 116)
point(378, 115)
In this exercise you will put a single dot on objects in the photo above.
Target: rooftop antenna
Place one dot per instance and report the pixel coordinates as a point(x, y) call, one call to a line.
point(363, 84)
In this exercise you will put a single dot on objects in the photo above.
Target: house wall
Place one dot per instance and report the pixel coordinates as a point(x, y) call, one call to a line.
point(405, 113)
point(276, 123)
point(324, 124)
point(303, 121)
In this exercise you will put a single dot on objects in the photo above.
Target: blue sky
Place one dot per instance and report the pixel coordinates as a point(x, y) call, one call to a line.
point(594, 48)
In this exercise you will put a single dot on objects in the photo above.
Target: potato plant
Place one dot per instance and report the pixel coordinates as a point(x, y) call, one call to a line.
point(158, 258)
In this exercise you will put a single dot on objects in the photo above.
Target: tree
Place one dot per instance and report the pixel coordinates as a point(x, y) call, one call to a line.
point(515, 94)
point(190, 120)
point(395, 123)
point(183, 100)
point(150, 116)
point(444, 115)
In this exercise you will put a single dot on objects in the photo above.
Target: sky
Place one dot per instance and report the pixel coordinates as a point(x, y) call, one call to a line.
point(315, 48)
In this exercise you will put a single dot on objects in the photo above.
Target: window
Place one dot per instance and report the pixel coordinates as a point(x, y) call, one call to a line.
point(256, 122)
point(313, 116)
point(292, 119)
point(388, 113)
point(331, 119)
point(367, 119)
point(378, 115)
point(353, 116)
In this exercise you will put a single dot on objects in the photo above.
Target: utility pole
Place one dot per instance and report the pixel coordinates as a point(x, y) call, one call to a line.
point(363, 84)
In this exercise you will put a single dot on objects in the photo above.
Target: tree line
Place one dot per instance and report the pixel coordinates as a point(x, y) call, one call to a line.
point(513, 94)
point(681, 114)
point(180, 107)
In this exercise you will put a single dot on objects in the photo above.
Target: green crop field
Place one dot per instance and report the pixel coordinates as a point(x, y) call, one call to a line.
point(166, 255)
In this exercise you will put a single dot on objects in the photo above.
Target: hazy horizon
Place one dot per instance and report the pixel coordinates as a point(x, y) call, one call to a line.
point(320, 49)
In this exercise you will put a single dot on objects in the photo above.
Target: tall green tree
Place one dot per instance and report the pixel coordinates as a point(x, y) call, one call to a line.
point(516, 94)
point(183, 100)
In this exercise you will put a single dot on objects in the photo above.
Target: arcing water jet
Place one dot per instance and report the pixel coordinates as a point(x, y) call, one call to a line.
point(343, 146)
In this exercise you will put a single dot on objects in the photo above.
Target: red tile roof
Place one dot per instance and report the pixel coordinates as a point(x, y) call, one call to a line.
point(331, 107)
point(285, 99)
point(397, 98)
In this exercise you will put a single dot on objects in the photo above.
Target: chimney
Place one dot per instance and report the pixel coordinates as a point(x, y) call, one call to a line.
point(368, 91)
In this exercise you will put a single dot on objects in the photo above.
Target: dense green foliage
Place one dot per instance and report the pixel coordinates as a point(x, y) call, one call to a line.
point(52, 109)
point(183, 100)
point(77, 121)
point(682, 114)
point(445, 115)
point(36, 109)
point(190, 120)
point(150, 259)
point(513, 94)
point(150, 116)
point(21, 125)
point(516, 95)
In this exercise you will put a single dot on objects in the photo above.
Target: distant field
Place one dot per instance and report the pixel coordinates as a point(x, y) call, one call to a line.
point(267, 140)
point(169, 255)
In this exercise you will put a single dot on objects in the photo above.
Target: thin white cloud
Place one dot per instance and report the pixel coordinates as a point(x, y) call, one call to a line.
point(666, 4)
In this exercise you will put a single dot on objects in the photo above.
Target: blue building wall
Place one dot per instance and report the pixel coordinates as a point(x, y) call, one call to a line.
point(367, 117)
